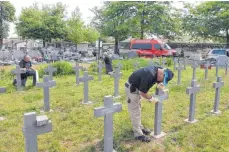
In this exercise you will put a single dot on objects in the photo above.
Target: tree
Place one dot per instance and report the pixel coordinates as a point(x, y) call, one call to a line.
point(7, 12)
point(77, 32)
point(154, 17)
point(90, 34)
point(112, 20)
point(44, 23)
point(209, 20)
point(123, 19)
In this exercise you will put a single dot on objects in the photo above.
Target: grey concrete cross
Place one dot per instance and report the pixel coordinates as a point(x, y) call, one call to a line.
point(107, 111)
point(175, 61)
point(18, 71)
point(150, 63)
point(85, 79)
point(163, 62)
point(179, 68)
point(77, 69)
point(194, 66)
point(33, 126)
point(136, 65)
point(2, 89)
point(226, 66)
point(192, 91)
point(116, 75)
point(119, 65)
point(46, 85)
point(217, 68)
point(161, 95)
point(185, 62)
point(100, 70)
point(50, 70)
point(206, 65)
point(217, 85)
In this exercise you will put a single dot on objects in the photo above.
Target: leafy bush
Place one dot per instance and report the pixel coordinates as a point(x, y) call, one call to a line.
point(63, 68)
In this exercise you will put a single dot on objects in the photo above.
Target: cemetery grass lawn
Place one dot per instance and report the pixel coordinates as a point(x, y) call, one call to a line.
point(75, 129)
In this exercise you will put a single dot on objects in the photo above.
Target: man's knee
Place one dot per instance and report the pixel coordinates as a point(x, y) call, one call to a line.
point(31, 73)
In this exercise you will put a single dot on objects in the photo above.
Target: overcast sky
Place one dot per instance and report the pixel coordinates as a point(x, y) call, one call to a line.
point(84, 6)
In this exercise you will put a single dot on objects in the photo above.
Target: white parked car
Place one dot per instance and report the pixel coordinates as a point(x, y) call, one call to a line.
point(222, 55)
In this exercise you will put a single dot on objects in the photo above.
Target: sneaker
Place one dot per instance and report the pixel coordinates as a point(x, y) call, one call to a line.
point(143, 138)
point(146, 131)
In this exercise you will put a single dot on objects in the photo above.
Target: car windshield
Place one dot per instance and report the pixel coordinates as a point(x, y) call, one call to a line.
point(219, 52)
point(143, 46)
point(165, 46)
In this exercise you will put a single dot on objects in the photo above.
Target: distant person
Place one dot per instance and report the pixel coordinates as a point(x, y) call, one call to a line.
point(26, 64)
point(108, 63)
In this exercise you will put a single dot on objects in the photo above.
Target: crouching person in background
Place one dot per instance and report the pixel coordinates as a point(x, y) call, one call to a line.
point(26, 64)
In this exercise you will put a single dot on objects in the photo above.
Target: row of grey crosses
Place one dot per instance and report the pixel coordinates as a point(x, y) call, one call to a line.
point(35, 125)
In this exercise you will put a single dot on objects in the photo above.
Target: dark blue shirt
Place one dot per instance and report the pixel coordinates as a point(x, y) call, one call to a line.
point(144, 78)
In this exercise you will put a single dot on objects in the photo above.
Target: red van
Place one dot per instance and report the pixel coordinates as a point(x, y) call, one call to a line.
point(151, 48)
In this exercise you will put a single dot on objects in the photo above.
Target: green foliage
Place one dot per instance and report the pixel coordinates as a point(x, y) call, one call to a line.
point(63, 68)
point(77, 32)
point(209, 20)
point(7, 11)
point(137, 19)
point(44, 23)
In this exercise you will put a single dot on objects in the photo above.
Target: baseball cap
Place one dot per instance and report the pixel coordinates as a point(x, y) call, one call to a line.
point(168, 75)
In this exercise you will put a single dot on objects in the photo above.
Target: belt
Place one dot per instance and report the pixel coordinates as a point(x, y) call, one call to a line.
point(128, 86)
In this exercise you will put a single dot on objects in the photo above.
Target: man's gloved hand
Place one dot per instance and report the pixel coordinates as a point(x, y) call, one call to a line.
point(154, 100)
point(160, 86)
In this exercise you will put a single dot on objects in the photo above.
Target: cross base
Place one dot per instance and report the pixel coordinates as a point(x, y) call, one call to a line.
point(2, 118)
point(194, 121)
point(51, 110)
point(86, 102)
point(216, 112)
point(158, 136)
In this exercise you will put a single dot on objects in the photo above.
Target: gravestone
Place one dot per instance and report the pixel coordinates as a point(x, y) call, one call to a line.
point(179, 68)
point(33, 126)
point(226, 66)
point(194, 66)
point(85, 79)
point(161, 95)
point(107, 111)
point(46, 85)
point(100, 70)
point(116, 75)
point(192, 91)
point(77, 68)
point(217, 85)
point(175, 61)
point(18, 71)
point(50, 70)
point(136, 65)
point(206, 65)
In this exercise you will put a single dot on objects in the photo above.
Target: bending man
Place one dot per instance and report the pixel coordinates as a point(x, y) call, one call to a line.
point(138, 85)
